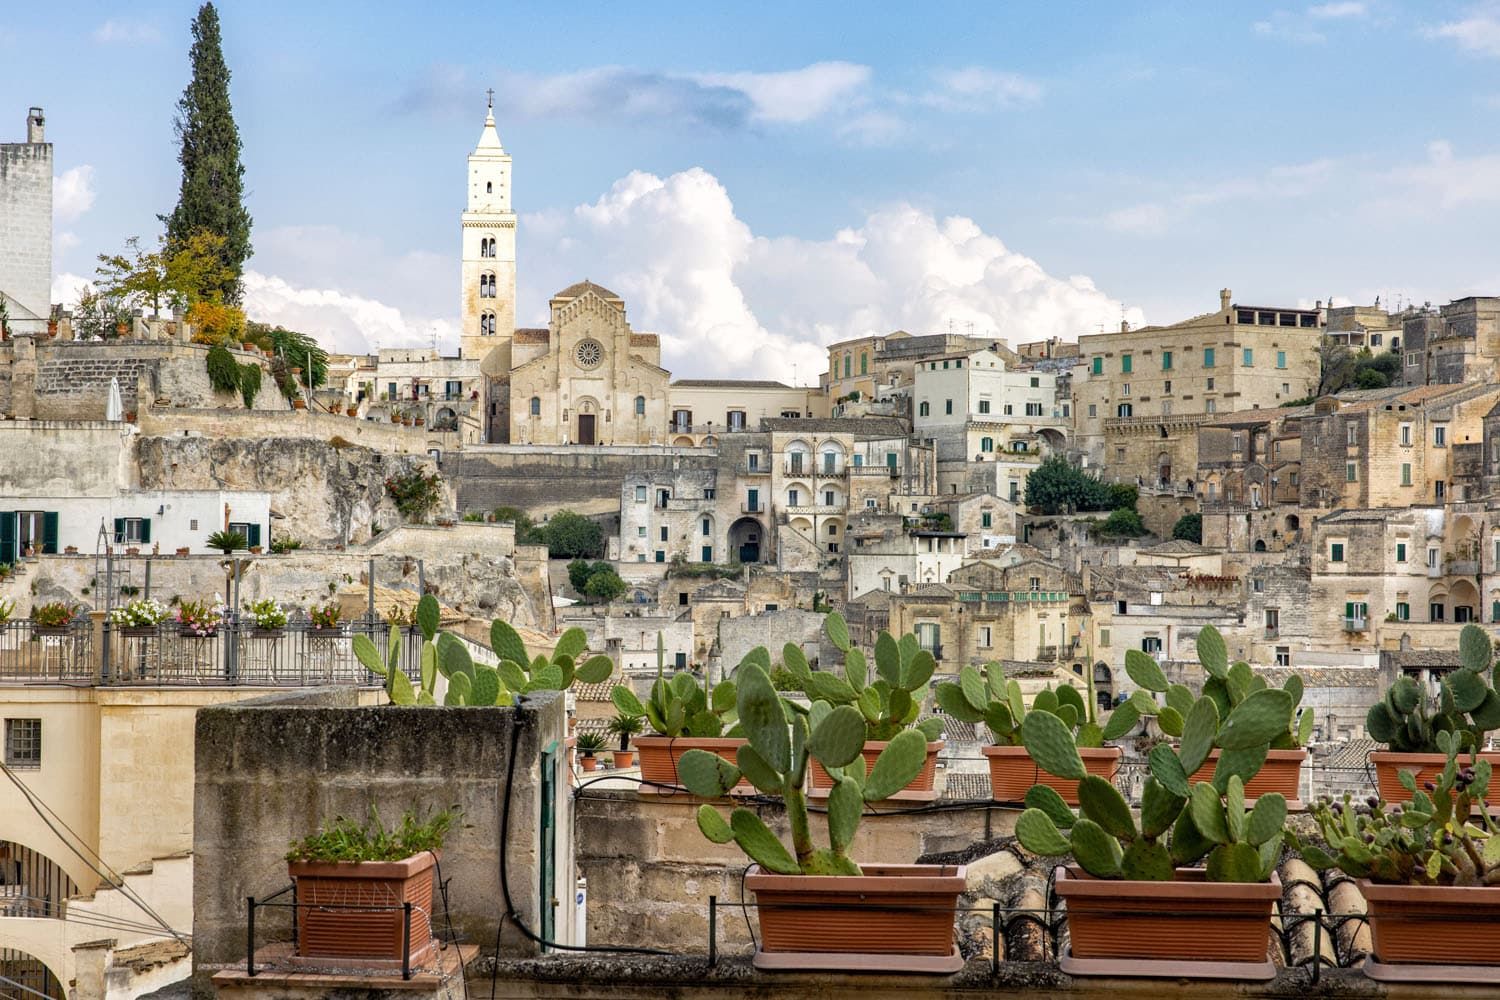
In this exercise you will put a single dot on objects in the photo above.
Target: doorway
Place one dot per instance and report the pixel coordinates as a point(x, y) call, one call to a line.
point(585, 428)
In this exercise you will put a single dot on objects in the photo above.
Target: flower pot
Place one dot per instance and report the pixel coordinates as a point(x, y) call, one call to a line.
point(1424, 766)
point(1413, 927)
point(188, 632)
point(419, 421)
point(920, 789)
point(138, 631)
point(395, 418)
point(265, 633)
point(133, 551)
point(255, 550)
point(299, 404)
point(1013, 772)
point(184, 551)
point(52, 631)
point(588, 762)
point(370, 938)
point(623, 759)
point(894, 918)
point(1282, 772)
point(660, 754)
point(1188, 927)
point(70, 550)
point(326, 633)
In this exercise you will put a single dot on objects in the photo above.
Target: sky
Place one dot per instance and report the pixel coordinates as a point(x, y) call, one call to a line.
point(758, 181)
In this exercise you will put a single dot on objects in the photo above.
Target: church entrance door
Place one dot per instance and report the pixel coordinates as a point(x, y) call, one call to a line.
point(585, 428)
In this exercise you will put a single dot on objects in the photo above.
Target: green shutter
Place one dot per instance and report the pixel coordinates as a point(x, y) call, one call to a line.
point(145, 529)
point(49, 532)
point(7, 537)
point(1348, 609)
point(119, 530)
point(1495, 612)
point(254, 535)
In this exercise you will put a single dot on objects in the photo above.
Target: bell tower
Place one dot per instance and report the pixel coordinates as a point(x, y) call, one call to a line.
point(488, 309)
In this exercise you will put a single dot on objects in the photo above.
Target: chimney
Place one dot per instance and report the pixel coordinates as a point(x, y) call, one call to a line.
point(1224, 296)
point(35, 131)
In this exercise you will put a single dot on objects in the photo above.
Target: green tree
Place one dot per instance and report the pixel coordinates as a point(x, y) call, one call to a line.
point(1189, 528)
point(1335, 366)
point(299, 350)
point(211, 195)
point(605, 585)
point(1370, 378)
point(579, 571)
point(573, 536)
point(527, 533)
point(190, 273)
point(1123, 495)
point(1123, 523)
point(1056, 486)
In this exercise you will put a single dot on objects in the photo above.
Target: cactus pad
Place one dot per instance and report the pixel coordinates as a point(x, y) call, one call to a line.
point(1103, 803)
point(1212, 653)
point(1050, 745)
point(506, 643)
point(845, 804)
point(1256, 720)
point(713, 826)
point(837, 631)
point(1039, 835)
point(838, 737)
point(897, 766)
point(757, 840)
point(486, 686)
point(1169, 770)
point(1145, 671)
point(1159, 808)
point(1208, 813)
point(1266, 818)
point(1096, 852)
point(1046, 798)
point(707, 774)
point(1147, 861)
point(1234, 863)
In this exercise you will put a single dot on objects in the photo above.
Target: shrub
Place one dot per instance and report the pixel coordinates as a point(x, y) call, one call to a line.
point(604, 585)
point(54, 614)
point(326, 616)
point(416, 493)
point(266, 613)
point(1056, 486)
point(1189, 528)
point(573, 536)
point(199, 617)
point(1123, 523)
point(249, 383)
point(138, 614)
point(285, 544)
point(223, 370)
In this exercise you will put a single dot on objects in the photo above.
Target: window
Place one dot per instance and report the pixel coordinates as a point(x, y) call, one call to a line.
point(1281, 359)
point(1440, 435)
point(640, 406)
point(662, 496)
point(1351, 433)
point(833, 530)
point(793, 497)
point(1432, 554)
point(707, 555)
point(1210, 406)
point(1258, 585)
point(1283, 656)
point(1273, 621)
point(1104, 637)
point(1351, 472)
point(1438, 490)
point(664, 532)
point(752, 500)
point(1403, 611)
point(1125, 389)
point(986, 444)
point(830, 463)
point(536, 406)
point(1008, 410)
point(1355, 613)
point(735, 419)
point(848, 361)
point(1093, 410)
point(1401, 552)
point(985, 519)
point(1035, 584)
point(923, 409)
point(864, 364)
point(948, 407)
point(1436, 612)
point(1248, 357)
point(870, 503)
point(710, 492)
point(1166, 387)
point(661, 556)
point(929, 636)
point(640, 532)
point(828, 500)
point(1033, 409)
point(132, 530)
point(682, 599)
point(23, 743)
point(1405, 473)
point(1210, 385)
point(1123, 410)
point(1208, 357)
point(1125, 364)
point(250, 531)
point(1406, 435)
point(640, 494)
point(1098, 366)
point(707, 527)
point(1166, 361)
point(984, 406)
point(752, 461)
point(1151, 644)
point(1336, 552)
point(984, 637)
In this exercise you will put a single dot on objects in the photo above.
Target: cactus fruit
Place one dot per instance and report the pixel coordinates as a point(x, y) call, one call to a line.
point(1466, 704)
point(1179, 824)
point(780, 742)
point(997, 702)
point(891, 702)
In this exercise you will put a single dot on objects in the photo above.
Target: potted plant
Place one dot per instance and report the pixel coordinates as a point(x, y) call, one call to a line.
point(996, 701)
point(625, 726)
point(1408, 720)
point(53, 618)
point(226, 541)
point(1282, 770)
point(589, 744)
point(266, 617)
point(347, 861)
point(683, 716)
point(184, 550)
point(890, 703)
point(418, 420)
point(1426, 868)
point(70, 550)
point(325, 619)
point(818, 908)
point(199, 619)
point(139, 618)
point(1131, 883)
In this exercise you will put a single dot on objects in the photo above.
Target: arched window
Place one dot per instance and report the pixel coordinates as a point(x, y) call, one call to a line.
point(536, 406)
point(489, 187)
point(986, 444)
point(640, 406)
point(923, 410)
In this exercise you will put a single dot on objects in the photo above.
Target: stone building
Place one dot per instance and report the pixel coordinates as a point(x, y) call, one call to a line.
point(1459, 342)
point(873, 366)
point(26, 229)
point(1142, 393)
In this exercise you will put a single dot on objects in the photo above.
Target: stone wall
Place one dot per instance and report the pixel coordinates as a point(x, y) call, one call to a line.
point(301, 424)
point(26, 226)
point(543, 480)
point(83, 458)
point(772, 629)
point(73, 378)
point(272, 770)
point(651, 870)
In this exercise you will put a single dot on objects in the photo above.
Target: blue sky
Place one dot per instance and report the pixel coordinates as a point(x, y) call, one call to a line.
point(759, 180)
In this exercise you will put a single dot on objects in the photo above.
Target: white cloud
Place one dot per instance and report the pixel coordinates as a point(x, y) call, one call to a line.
point(73, 193)
point(124, 31)
point(1331, 11)
point(1288, 27)
point(66, 288)
point(1478, 33)
point(340, 321)
point(1447, 180)
point(978, 88)
point(798, 95)
point(1286, 181)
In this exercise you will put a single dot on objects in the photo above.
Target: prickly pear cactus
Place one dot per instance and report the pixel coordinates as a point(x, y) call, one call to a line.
point(1466, 706)
point(781, 738)
point(997, 702)
point(677, 706)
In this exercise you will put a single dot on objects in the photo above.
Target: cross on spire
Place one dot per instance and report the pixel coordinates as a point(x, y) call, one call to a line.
point(491, 95)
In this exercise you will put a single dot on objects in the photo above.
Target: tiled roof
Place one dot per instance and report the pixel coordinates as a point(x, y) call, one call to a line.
point(593, 692)
point(968, 786)
point(1443, 658)
point(861, 427)
point(1346, 754)
point(1176, 547)
point(930, 590)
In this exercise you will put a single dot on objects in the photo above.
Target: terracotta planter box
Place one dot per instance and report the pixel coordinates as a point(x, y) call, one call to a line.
point(138, 631)
point(1282, 772)
point(1415, 927)
point(51, 631)
point(894, 918)
point(588, 762)
point(1427, 767)
point(660, 754)
point(329, 935)
point(1187, 927)
point(921, 787)
point(1013, 772)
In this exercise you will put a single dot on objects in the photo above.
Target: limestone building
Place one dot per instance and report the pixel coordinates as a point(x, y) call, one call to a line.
point(488, 307)
point(26, 229)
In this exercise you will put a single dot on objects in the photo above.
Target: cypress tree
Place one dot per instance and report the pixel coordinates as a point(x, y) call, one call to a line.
point(212, 175)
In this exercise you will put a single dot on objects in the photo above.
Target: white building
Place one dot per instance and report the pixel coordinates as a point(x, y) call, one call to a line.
point(162, 521)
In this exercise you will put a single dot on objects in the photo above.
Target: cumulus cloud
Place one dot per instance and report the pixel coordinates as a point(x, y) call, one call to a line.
point(798, 95)
point(342, 322)
point(124, 31)
point(1447, 180)
point(1479, 32)
point(73, 193)
point(1332, 11)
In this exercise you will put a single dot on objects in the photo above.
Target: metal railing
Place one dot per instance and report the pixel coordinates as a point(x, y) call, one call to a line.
point(39, 654)
point(252, 904)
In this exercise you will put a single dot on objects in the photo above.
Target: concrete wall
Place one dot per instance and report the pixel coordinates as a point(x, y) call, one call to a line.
point(84, 458)
point(271, 771)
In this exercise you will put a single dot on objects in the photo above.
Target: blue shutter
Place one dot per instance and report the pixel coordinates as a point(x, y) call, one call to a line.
point(254, 538)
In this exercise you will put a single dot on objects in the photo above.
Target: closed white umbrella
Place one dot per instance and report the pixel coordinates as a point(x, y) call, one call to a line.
point(115, 408)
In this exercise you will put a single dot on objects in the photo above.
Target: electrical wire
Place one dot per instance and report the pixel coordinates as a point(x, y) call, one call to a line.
point(25, 988)
point(448, 919)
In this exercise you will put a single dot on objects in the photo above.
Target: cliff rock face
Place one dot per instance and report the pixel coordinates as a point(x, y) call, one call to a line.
point(328, 495)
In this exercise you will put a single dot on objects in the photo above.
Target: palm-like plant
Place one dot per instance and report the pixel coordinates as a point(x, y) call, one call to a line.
point(226, 541)
point(626, 726)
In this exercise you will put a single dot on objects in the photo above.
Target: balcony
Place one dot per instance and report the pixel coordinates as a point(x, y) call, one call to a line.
point(812, 509)
point(874, 470)
point(752, 507)
point(1355, 625)
point(1046, 654)
point(1463, 567)
point(758, 469)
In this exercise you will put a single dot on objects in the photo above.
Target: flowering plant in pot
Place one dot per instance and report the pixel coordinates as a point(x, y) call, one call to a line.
point(1132, 882)
point(1410, 720)
point(890, 703)
point(1425, 866)
point(347, 861)
point(1227, 685)
point(139, 617)
point(53, 618)
point(998, 702)
point(325, 617)
point(200, 619)
point(683, 715)
point(266, 615)
point(819, 908)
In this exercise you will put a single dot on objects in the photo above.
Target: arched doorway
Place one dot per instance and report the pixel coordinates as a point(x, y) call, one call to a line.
point(1465, 599)
point(40, 884)
point(1164, 469)
point(26, 977)
point(746, 540)
point(586, 422)
point(1260, 545)
point(1104, 686)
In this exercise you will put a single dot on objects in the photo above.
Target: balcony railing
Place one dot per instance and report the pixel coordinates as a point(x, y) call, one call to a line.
point(1046, 653)
point(752, 506)
point(936, 649)
point(811, 509)
point(1463, 567)
point(1354, 624)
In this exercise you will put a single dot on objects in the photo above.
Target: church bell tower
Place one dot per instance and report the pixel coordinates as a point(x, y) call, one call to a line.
point(489, 256)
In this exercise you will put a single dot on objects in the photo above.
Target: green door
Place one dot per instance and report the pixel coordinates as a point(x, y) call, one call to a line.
point(7, 537)
point(547, 841)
